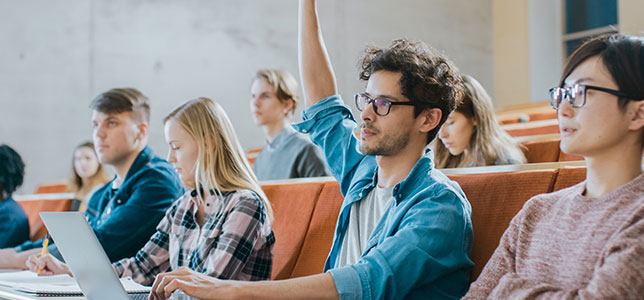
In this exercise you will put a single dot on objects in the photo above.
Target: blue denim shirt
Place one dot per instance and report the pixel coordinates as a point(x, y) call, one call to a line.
point(125, 219)
point(420, 248)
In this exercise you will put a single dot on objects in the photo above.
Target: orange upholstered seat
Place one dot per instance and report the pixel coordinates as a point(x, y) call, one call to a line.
point(51, 188)
point(293, 205)
point(319, 237)
point(496, 198)
point(569, 176)
point(34, 204)
point(541, 151)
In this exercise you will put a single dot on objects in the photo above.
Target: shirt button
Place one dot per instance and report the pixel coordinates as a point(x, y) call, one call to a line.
point(360, 195)
point(118, 201)
point(399, 195)
point(304, 130)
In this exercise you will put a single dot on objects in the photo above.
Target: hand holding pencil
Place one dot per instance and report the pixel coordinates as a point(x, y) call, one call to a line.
point(45, 264)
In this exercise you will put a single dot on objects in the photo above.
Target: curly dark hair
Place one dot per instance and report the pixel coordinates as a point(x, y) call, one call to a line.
point(12, 171)
point(428, 78)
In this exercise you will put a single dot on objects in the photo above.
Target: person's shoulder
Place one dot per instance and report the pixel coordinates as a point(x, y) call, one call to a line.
point(11, 208)
point(242, 195)
point(156, 170)
point(298, 140)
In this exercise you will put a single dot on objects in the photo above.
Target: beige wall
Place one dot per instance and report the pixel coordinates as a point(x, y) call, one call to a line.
point(510, 44)
point(630, 16)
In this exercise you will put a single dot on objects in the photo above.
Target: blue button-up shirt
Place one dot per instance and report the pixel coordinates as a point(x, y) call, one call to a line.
point(420, 248)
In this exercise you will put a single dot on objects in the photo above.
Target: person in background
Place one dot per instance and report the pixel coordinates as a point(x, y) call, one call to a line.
point(14, 225)
point(287, 154)
point(222, 226)
point(472, 137)
point(585, 241)
point(88, 174)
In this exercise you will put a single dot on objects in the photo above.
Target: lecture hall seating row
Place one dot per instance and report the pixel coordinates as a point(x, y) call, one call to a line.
point(306, 210)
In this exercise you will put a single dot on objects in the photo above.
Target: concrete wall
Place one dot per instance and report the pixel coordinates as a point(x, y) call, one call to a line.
point(630, 16)
point(57, 55)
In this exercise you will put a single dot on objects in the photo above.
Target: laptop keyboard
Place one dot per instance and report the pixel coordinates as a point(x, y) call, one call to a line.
point(138, 296)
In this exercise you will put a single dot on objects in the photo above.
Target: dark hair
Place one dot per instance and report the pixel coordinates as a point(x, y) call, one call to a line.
point(428, 77)
point(120, 100)
point(623, 57)
point(12, 171)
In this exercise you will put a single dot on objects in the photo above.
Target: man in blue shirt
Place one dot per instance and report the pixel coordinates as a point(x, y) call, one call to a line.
point(404, 230)
point(124, 212)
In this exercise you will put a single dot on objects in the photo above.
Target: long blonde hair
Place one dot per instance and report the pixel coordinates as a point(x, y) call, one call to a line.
point(489, 143)
point(76, 185)
point(221, 164)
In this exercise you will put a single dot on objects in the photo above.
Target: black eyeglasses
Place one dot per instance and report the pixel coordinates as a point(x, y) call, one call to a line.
point(381, 106)
point(576, 95)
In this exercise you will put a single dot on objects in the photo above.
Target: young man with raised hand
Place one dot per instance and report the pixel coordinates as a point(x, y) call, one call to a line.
point(124, 212)
point(404, 229)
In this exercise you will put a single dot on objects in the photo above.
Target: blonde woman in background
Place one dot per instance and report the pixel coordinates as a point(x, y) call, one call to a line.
point(472, 137)
point(287, 154)
point(88, 173)
point(222, 226)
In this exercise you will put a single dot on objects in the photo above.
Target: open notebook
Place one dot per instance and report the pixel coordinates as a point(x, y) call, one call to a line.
point(57, 285)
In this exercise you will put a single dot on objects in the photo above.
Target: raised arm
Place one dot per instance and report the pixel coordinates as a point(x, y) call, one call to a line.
point(316, 72)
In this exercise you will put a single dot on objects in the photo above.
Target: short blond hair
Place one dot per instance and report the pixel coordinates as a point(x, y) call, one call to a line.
point(284, 83)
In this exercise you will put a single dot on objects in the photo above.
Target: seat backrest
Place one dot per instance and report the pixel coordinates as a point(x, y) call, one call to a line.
point(293, 205)
point(496, 198)
point(528, 130)
point(541, 151)
point(36, 203)
point(569, 176)
point(51, 188)
point(319, 237)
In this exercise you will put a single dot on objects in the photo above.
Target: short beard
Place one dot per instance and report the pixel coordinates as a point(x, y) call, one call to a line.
point(388, 145)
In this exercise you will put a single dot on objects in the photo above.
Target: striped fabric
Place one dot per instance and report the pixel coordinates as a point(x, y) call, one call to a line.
point(235, 242)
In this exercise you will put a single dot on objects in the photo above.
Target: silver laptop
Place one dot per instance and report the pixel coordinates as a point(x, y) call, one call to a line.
point(85, 256)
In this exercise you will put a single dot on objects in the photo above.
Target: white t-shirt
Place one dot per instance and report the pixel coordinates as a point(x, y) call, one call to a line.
point(363, 219)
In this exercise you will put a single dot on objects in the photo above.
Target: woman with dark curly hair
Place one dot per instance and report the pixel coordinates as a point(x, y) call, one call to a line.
point(14, 226)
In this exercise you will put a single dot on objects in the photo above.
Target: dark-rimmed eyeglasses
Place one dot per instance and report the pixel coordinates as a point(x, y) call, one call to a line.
point(381, 105)
point(576, 95)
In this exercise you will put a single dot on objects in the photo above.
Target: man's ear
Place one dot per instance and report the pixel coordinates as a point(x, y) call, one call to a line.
point(143, 128)
point(429, 119)
point(289, 105)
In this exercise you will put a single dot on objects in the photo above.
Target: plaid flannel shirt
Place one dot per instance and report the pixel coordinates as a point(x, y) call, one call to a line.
point(235, 242)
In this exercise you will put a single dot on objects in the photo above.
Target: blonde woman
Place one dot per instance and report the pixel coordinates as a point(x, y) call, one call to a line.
point(471, 136)
point(222, 227)
point(287, 154)
point(88, 173)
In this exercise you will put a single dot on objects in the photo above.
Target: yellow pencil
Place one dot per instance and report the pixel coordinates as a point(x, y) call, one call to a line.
point(44, 248)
